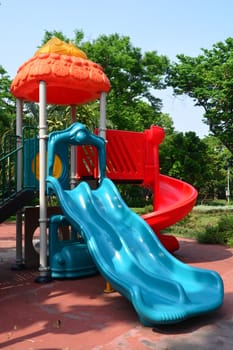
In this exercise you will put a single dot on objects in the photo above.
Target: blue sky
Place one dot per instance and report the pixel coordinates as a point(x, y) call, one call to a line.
point(169, 27)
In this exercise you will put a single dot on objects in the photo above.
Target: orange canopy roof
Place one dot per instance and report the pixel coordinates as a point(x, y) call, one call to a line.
point(70, 77)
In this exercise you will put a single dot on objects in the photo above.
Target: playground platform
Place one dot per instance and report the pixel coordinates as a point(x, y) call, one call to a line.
point(78, 315)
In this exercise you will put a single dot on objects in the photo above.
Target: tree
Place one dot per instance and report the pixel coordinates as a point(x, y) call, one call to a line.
point(133, 76)
point(208, 80)
point(7, 105)
point(200, 162)
point(183, 156)
point(219, 157)
point(131, 105)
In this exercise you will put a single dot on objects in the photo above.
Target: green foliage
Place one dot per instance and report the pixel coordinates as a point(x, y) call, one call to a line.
point(217, 207)
point(183, 156)
point(50, 34)
point(131, 105)
point(135, 196)
point(7, 105)
point(200, 162)
point(208, 79)
point(218, 158)
point(207, 224)
point(221, 233)
point(144, 210)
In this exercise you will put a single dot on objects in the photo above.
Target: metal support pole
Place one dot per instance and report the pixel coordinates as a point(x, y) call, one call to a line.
point(44, 269)
point(19, 264)
point(73, 153)
point(102, 126)
point(228, 183)
point(19, 134)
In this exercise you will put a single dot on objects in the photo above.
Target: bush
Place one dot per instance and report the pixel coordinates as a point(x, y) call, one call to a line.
point(135, 196)
point(221, 233)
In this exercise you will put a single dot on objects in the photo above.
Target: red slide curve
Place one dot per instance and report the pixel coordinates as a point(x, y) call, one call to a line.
point(175, 199)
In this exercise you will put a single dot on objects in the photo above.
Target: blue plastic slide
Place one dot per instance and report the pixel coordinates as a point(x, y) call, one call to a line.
point(128, 254)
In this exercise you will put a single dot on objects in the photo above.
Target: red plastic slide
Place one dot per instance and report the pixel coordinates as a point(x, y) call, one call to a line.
point(175, 199)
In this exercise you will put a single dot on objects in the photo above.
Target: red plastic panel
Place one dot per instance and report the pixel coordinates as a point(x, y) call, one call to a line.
point(130, 156)
point(86, 161)
point(125, 152)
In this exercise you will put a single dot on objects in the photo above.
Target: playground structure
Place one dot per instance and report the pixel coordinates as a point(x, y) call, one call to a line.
point(66, 76)
point(125, 248)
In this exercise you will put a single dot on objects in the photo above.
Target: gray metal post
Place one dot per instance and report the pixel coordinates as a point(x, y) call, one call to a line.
point(44, 269)
point(73, 153)
point(19, 264)
point(102, 126)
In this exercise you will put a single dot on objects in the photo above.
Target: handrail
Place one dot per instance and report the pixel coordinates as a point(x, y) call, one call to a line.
point(10, 153)
point(8, 177)
point(8, 165)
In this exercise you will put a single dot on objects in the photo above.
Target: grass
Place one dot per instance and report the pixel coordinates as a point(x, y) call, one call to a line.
point(207, 224)
point(193, 225)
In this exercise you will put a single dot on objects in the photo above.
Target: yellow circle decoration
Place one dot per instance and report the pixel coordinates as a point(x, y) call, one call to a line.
point(57, 166)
